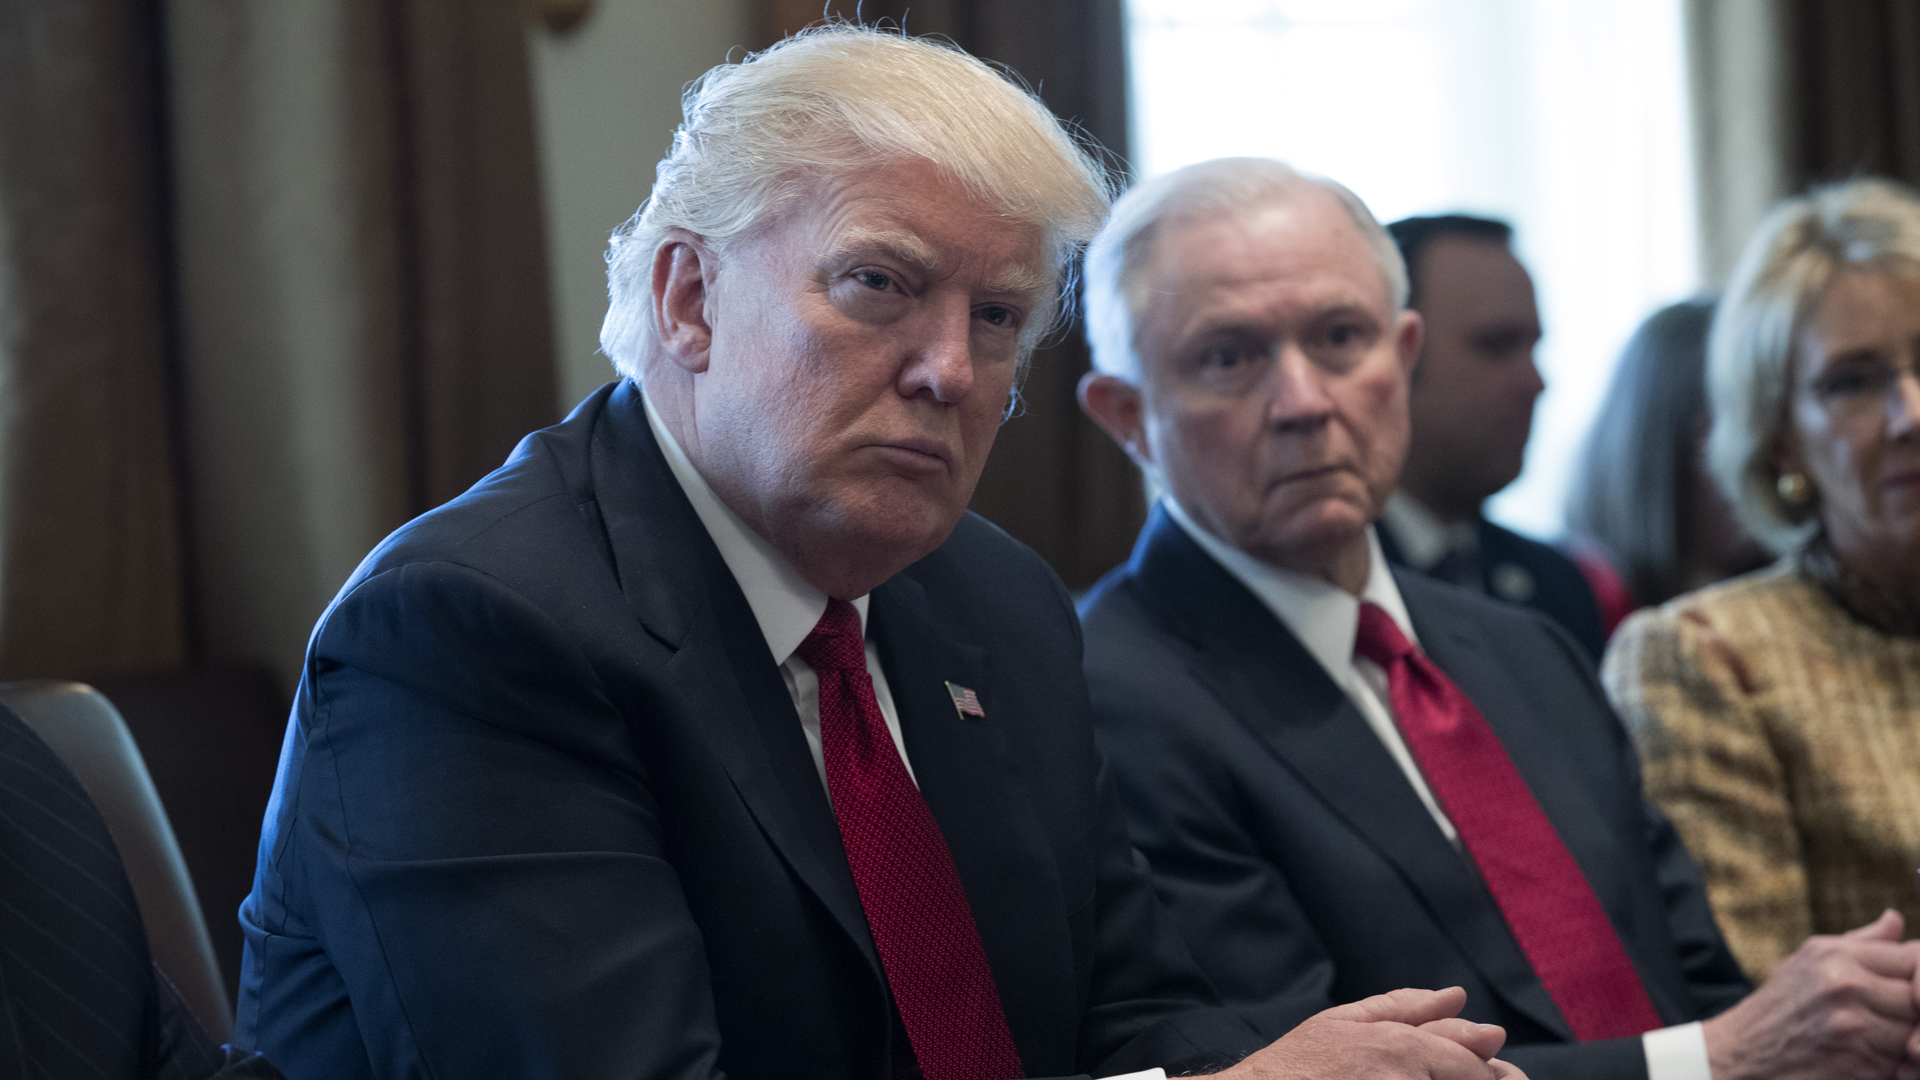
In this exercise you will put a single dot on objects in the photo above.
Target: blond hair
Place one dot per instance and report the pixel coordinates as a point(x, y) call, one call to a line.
point(1782, 277)
point(758, 136)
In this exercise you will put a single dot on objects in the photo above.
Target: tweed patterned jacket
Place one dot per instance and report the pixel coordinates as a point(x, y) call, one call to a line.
point(1782, 737)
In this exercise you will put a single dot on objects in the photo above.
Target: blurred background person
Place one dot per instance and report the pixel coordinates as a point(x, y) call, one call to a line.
point(1472, 404)
point(1778, 715)
point(1642, 497)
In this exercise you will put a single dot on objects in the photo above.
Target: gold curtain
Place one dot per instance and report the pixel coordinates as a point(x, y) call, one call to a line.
point(362, 284)
point(272, 281)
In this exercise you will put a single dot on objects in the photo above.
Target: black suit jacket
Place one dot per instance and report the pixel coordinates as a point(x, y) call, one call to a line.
point(1559, 590)
point(79, 995)
point(545, 807)
point(1299, 862)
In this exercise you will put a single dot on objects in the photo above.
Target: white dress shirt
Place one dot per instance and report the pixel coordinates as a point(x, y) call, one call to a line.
point(787, 609)
point(1326, 620)
point(1424, 538)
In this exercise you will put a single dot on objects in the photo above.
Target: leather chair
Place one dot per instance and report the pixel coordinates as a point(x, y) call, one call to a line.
point(87, 732)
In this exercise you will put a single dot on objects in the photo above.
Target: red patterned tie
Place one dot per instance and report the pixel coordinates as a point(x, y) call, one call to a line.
point(914, 903)
point(1540, 889)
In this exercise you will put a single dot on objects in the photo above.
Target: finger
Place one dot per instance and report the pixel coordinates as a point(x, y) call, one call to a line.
point(1414, 1007)
point(1484, 1040)
point(1888, 927)
point(1888, 1001)
point(1506, 1071)
point(1882, 958)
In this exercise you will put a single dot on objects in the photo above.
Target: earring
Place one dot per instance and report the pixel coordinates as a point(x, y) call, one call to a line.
point(1794, 488)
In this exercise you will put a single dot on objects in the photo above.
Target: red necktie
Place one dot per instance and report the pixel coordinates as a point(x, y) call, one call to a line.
point(1546, 899)
point(915, 906)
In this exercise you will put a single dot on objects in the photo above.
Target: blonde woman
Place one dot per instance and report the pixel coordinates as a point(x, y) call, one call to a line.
point(1778, 715)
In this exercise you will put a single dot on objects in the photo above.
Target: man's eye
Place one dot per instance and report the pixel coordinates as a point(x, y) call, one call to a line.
point(997, 315)
point(877, 280)
point(1223, 357)
point(1343, 335)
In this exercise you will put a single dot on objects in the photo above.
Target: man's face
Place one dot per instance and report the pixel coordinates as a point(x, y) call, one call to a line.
point(1273, 379)
point(862, 355)
point(1473, 395)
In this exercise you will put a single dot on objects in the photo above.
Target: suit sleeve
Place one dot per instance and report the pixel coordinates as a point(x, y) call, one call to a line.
point(480, 848)
point(1150, 999)
point(1207, 866)
point(1685, 696)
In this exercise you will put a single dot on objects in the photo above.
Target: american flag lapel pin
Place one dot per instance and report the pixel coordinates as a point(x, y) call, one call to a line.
point(965, 701)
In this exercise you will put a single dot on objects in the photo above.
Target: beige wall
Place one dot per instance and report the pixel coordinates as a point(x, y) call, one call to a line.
point(607, 96)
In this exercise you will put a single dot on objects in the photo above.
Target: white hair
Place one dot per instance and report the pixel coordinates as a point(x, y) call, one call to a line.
point(1224, 187)
point(758, 137)
point(1779, 284)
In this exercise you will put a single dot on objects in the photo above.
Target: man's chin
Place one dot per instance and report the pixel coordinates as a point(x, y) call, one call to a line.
point(1306, 545)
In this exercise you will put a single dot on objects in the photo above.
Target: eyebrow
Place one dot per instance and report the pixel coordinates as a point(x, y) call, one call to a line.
point(1020, 280)
point(904, 246)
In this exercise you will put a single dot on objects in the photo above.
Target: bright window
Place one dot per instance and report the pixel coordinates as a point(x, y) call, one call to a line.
point(1567, 118)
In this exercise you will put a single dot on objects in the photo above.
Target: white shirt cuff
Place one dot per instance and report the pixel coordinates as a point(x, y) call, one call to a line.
point(1677, 1053)
point(1150, 1074)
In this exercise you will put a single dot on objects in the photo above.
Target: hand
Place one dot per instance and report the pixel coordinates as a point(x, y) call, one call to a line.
point(1840, 1007)
point(1405, 1035)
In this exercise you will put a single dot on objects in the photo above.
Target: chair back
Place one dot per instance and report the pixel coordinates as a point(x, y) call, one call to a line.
point(84, 728)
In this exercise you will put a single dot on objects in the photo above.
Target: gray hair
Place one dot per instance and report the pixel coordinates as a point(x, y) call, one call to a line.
point(758, 136)
point(1223, 187)
point(1803, 244)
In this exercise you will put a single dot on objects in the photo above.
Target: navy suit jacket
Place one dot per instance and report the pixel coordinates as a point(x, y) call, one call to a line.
point(545, 807)
point(1559, 590)
point(1298, 861)
point(79, 994)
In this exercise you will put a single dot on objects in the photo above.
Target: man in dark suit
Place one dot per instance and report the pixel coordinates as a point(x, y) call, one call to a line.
point(1471, 404)
point(1347, 777)
point(79, 993)
point(710, 736)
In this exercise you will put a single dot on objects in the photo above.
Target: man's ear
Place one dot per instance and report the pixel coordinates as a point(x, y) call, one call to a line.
point(683, 269)
point(1410, 333)
point(1114, 404)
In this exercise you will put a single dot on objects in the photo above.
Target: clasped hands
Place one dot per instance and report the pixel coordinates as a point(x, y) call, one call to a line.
point(1404, 1035)
point(1842, 1007)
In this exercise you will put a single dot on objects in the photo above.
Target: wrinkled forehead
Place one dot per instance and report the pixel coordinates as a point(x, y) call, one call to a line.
point(1300, 250)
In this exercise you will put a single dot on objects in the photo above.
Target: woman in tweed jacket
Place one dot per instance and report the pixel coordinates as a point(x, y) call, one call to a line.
point(1778, 715)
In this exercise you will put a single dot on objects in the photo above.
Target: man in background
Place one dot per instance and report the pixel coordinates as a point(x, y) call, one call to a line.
point(1472, 403)
point(1348, 778)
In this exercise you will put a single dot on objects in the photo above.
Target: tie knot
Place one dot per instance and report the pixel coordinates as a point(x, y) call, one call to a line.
point(1379, 639)
point(837, 642)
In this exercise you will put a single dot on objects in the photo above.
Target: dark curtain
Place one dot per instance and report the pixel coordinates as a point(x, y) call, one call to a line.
point(1055, 481)
point(272, 281)
point(90, 548)
point(1854, 79)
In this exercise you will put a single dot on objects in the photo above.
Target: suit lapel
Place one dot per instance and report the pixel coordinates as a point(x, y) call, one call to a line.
point(1267, 679)
point(963, 765)
point(681, 591)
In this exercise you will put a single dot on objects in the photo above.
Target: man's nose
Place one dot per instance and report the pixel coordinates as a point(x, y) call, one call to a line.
point(940, 362)
point(1903, 405)
point(1533, 384)
point(1299, 397)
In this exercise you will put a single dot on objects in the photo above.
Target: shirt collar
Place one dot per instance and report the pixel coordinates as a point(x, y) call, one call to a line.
point(1323, 616)
point(785, 605)
point(1424, 538)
